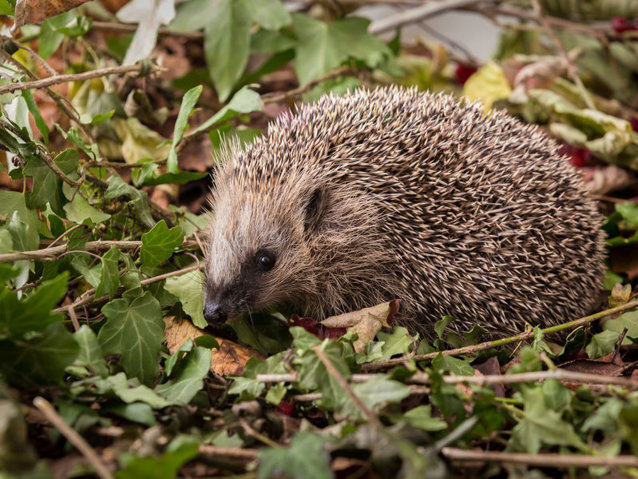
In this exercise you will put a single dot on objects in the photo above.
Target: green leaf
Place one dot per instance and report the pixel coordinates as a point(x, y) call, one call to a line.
point(421, 417)
point(188, 104)
point(159, 244)
point(21, 235)
point(440, 325)
point(193, 15)
point(34, 312)
point(602, 344)
point(7, 271)
point(270, 14)
point(188, 288)
point(542, 425)
point(179, 452)
point(306, 458)
point(180, 178)
point(78, 210)
point(129, 391)
point(226, 43)
point(606, 417)
point(487, 85)
point(117, 188)
point(40, 360)
point(627, 320)
point(244, 101)
point(399, 342)
point(136, 412)
point(460, 367)
point(324, 46)
point(35, 111)
point(10, 202)
point(629, 212)
point(90, 355)
point(188, 377)
point(378, 390)
point(6, 8)
point(136, 332)
point(110, 276)
point(47, 185)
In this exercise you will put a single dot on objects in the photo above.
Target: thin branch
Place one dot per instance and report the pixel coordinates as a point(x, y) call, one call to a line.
point(549, 460)
point(51, 253)
point(89, 296)
point(57, 79)
point(571, 68)
point(500, 342)
point(234, 452)
point(417, 14)
point(421, 378)
point(132, 28)
point(372, 419)
point(295, 92)
point(74, 438)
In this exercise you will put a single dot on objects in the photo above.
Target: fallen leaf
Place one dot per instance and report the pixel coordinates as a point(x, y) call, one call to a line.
point(37, 11)
point(229, 359)
point(366, 323)
point(606, 180)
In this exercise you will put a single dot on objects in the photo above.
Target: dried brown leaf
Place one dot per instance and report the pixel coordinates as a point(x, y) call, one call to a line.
point(37, 11)
point(229, 359)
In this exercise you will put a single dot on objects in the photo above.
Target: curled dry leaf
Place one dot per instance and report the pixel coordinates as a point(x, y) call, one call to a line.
point(606, 180)
point(37, 11)
point(229, 359)
point(365, 322)
point(620, 294)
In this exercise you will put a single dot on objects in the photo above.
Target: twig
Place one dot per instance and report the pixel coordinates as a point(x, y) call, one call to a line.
point(278, 97)
point(372, 419)
point(33, 54)
point(89, 296)
point(417, 14)
point(74, 438)
point(73, 228)
point(550, 460)
point(421, 378)
point(571, 68)
point(500, 342)
point(131, 28)
point(51, 253)
point(57, 79)
point(74, 319)
point(206, 450)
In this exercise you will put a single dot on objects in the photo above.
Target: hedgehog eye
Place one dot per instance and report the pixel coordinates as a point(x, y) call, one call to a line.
point(265, 260)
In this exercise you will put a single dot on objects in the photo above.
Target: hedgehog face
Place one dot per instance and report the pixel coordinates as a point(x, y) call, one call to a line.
point(257, 258)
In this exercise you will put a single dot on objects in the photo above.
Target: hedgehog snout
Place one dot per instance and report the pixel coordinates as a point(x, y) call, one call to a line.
point(214, 313)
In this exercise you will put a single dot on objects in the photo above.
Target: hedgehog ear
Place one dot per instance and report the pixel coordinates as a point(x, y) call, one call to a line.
point(314, 208)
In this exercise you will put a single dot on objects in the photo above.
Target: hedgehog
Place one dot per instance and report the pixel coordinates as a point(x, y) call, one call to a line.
point(390, 193)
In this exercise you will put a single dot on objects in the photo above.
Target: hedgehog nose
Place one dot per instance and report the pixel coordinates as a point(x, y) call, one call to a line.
point(213, 313)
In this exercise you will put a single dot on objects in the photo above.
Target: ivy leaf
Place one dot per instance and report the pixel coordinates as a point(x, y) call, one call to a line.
point(189, 377)
point(78, 210)
point(324, 46)
point(179, 451)
point(542, 425)
point(110, 275)
point(226, 43)
point(21, 234)
point(159, 244)
point(421, 417)
point(377, 390)
point(136, 332)
point(35, 111)
point(627, 320)
point(47, 185)
point(90, 354)
point(398, 342)
point(12, 201)
point(188, 288)
point(306, 458)
point(270, 14)
point(602, 344)
point(188, 103)
point(34, 312)
point(128, 390)
point(41, 360)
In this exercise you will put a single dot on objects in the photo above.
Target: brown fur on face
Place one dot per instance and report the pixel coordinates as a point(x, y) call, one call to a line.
point(393, 193)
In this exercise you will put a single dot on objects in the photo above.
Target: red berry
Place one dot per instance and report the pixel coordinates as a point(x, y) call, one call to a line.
point(578, 157)
point(634, 123)
point(287, 407)
point(621, 25)
point(463, 72)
